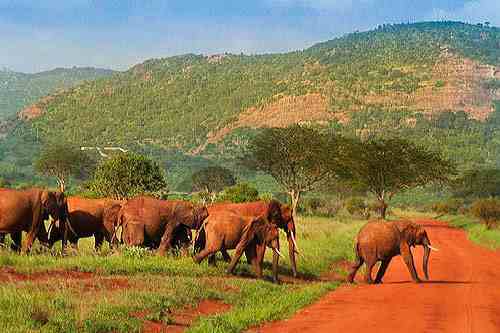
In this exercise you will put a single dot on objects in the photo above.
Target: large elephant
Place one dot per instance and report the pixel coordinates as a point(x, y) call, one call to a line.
point(86, 219)
point(381, 241)
point(151, 222)
point(226, 230)
point(276, 213)
point(26, 210)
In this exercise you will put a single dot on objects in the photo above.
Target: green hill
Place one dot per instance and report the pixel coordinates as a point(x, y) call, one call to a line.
point(18, 90)
point(435, 82)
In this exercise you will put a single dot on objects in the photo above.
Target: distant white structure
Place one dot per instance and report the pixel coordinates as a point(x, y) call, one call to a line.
point(100, 150)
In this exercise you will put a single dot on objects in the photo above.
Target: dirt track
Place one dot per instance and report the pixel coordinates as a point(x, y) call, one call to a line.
point(462, 296)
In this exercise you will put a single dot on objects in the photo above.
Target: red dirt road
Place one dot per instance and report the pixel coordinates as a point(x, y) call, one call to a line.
point(463, 295)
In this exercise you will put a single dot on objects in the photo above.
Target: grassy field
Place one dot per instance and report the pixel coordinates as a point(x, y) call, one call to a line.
point(477, 232)
point(102, 292)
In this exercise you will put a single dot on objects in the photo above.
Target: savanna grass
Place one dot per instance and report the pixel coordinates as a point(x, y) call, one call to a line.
point(155, 286)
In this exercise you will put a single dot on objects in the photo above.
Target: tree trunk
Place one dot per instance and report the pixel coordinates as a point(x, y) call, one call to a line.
point(383, 208)
point(61, 183)
point(294, 199)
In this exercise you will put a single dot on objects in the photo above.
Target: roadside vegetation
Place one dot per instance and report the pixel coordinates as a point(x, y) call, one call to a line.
point(54, 294)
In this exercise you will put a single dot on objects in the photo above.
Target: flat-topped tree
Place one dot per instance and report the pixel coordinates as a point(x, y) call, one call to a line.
point(388, 166)
point(299, 158)
point(212, 179)
point(63, 161)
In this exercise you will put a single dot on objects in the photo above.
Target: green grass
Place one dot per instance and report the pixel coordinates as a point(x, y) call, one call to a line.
point(476, 232)
point(156, 286)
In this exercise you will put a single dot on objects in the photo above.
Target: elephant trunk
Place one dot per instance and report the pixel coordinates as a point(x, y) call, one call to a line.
point(427, 251)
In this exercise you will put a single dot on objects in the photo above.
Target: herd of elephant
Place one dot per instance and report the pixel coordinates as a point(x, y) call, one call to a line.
point(144, 221)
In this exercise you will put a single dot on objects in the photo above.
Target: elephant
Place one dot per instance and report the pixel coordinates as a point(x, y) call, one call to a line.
point(86, 219)
point(227, 230)
point(151, 222)
point(381, 241)
point(26, 210)
point(275, 212)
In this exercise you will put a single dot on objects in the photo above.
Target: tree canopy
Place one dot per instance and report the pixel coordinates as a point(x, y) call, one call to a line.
point(387, 166)
point(212, 179)
point(298, 157)
point(126, 175)
point(63, 161)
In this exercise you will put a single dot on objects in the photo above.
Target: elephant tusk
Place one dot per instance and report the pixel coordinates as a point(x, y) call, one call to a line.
point(433, 248)
point(294, 243)
point(278, 252)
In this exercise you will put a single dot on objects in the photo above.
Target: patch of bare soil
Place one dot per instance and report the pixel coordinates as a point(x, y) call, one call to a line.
point(456, 84)
point(9, 274)
point(183, 318)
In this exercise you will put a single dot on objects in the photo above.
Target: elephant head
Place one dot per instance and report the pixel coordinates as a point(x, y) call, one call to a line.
point(282, 216)
point(55, 204)
point(200, 213)
point(415, 234)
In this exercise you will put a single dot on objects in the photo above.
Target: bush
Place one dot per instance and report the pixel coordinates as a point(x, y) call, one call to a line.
point(127, 175)
point(266, 196)
point(357, 206)
point(319, 207)
point(451, 206)
point(242, 192)
point(487, 210)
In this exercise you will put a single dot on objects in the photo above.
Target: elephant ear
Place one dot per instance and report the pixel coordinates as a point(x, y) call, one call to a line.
point(409, 234)
point(274, 212)
point(253, 230)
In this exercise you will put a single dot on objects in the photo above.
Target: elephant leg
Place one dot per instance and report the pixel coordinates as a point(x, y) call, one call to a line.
point(382, 269)
point(166, 239)
point(204, 253)
point(237, 255)
point(253, 258)
point(354, 269)
point(2, 239)
point(29, 240)
point(99, 239)
point(225, 255)
point(16, 241)
point(368, 274)
point(408, 259)
point(212, 260)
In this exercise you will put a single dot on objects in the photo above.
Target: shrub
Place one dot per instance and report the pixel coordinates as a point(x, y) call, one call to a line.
point(242, 192)
point(451, 206)
point(487, 210)
point(319, 207)
point(127, 175)
point(357, 206)
point(266, 196)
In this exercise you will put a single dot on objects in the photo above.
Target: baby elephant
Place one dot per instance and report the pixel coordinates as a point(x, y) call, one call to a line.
point(381, 241)
point(247, 234)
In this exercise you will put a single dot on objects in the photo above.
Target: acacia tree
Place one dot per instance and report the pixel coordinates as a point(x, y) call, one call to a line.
point(388, 166)
point(63, 161)
point(126, 175)
point(299, 158)
point(212, 179)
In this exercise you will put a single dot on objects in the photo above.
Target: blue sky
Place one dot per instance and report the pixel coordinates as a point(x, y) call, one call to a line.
point(39, 35)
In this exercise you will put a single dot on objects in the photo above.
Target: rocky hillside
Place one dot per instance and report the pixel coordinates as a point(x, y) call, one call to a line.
point(188, 102)
point(19, 90)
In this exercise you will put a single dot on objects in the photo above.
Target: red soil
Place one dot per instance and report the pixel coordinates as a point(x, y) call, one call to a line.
point(463, 295)
point(183, 318)
point(8, 274)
